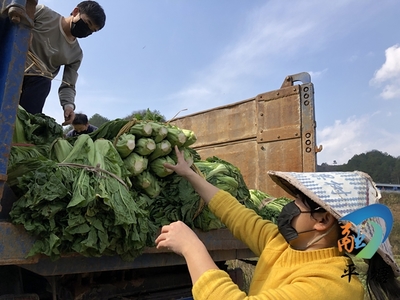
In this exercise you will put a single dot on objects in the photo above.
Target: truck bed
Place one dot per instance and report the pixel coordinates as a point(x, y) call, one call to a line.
point(16, 244)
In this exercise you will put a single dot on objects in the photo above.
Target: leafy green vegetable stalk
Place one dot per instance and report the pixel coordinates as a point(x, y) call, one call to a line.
point(107, 158)
point(145, 146)
point(243, 193)
point(141, 129)
point(224, 176)
point(190, 137)
point(109, 130)
point(148, 183)
point(112, 192)
point(176, 136)
point(176, 201)
point(22, 161)
point(19, 135)
point(18, 155)
point(159, 132)
point(135, 163)
point(125, 144)
point(82, 152)
point(162, 148)
point(259, 198)
point(190, 155)
point(157, 166)
point(60, 149)
point(154, 189)
point(144, 179)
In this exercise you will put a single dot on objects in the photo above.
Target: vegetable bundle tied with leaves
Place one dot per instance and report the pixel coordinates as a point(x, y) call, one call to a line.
point(179, 201)
point(82, 204)
point(266, 206)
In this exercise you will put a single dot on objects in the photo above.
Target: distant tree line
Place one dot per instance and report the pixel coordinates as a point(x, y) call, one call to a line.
point(382, 167)
point(142, 114)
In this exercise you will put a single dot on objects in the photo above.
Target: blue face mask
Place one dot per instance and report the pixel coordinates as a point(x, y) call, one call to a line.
point(80, 29)
point(290, 211)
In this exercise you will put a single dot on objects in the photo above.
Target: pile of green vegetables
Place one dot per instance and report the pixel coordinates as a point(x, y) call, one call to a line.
point(108, 192)
point(266, 206)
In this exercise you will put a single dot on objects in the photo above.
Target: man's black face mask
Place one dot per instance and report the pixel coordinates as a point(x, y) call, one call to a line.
point(80, 29)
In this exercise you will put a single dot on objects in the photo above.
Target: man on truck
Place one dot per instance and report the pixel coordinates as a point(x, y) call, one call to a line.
point(81, 125)
point(54, 44)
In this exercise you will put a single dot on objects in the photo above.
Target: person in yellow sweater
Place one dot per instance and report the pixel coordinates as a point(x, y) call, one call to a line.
point(299, 257)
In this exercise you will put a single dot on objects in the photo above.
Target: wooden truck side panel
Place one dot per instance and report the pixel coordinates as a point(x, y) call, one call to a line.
point(272, 131)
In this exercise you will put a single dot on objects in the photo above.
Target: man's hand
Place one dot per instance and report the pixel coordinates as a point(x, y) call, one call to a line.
point(69, 115)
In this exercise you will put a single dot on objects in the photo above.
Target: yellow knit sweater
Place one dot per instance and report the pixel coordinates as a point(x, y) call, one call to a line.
point(281, 272)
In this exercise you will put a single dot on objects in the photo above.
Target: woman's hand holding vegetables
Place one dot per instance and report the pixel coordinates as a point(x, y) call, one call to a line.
point(182, 167)
point(205, 189)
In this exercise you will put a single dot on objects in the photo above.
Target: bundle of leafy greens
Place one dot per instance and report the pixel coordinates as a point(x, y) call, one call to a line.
point(83, 204)
point(38, 129)
point(179, 201)
point(258, 198)
point(225, 176)
point(109, 130)
point(60, 149)
point(23, 159)
point(266, 206)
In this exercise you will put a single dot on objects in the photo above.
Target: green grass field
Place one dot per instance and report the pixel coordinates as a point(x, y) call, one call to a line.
point(392, 200)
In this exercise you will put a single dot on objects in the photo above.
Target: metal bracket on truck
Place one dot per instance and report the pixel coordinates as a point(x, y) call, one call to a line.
point(291, 79)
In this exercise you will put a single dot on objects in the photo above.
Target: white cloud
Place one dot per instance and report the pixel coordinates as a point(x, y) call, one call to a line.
point(344, 139)
point(317, 74)
point(391, 68)
point(389, 74)
point(341, 140)
point(392, 90)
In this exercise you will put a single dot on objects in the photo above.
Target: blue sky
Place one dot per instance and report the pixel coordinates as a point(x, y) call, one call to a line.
point(169, 55)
